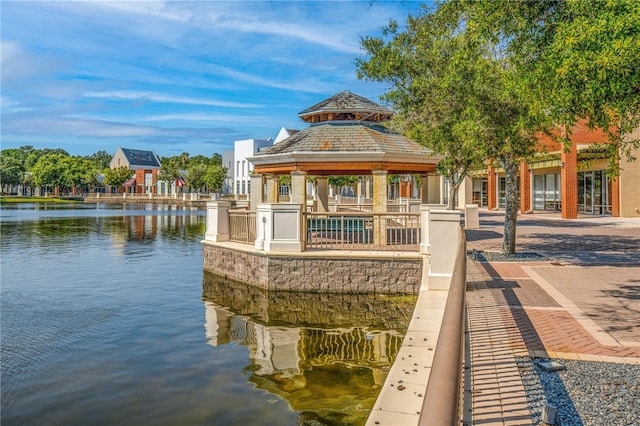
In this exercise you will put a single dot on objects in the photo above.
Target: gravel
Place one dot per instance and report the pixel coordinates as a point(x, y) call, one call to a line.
point(494, 256)
point(585, 393)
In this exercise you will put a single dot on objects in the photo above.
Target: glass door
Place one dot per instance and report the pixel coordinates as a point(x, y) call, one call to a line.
point(588, 193)
point(485, 186)
point(538, 192)
point(592, 192)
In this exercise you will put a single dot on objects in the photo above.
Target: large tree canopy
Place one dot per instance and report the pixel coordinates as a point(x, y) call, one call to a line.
point(579, 59)
point(471, 77)
point(437, 77)
point(456, 94)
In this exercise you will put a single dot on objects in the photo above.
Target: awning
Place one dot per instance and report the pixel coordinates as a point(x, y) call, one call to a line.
point(130, 182)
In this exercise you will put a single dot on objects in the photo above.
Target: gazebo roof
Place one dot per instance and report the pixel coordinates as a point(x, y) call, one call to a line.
point(342, 146)
point(350, 105)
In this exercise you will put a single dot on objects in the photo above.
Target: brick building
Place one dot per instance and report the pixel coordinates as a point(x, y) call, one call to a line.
point(145, 164)
point(570, 183)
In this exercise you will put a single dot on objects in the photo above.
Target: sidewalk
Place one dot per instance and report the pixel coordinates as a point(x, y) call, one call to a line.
point(579, 301)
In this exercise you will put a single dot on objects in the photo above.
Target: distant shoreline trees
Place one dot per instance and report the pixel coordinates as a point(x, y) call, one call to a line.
point(55, 168)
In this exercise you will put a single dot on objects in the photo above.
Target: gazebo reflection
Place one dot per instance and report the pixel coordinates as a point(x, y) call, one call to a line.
point(325, 353)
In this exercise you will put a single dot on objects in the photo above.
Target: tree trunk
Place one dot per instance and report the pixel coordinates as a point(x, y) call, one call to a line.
point(510, 167)
point(453, 191)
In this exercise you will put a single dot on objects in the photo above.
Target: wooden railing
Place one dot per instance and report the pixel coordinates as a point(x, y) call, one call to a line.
point(242, 226)
point(363, 231)
point(391, 208)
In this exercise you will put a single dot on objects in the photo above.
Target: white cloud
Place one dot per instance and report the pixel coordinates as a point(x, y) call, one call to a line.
point(211, 119)
point(255, 17)
point(8, 106)
point(160, 98)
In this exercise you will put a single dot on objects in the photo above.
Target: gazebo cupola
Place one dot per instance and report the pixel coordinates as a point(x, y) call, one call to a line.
point(346, 136)
point(345, 106)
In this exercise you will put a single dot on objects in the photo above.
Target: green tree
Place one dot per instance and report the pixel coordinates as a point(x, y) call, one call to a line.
point(101, 159)
point(456, 92)
point(435, 74)
point(117, 176)
point(51, 170)
point(198, 159)
point(79, 172)
point(196, 175)
point(170, 170)
point(11, 171)
point(216, 159)
point(579, 59)
point(346, 181)
point(215, 177)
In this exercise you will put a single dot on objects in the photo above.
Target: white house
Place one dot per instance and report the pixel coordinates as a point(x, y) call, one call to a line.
point(228, 162)
point(242, 150)
point(284, 133)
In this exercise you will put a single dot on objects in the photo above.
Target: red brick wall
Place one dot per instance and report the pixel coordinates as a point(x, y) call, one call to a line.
point(525, 188)
point(492, 197)
point(569, 183)
point(615, 197)
point(139, 182)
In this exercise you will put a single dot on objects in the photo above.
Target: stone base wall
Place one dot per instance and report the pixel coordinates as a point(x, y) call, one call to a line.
point(310, 309)
point(383, 275)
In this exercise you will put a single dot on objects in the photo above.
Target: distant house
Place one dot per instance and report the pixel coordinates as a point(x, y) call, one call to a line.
point(284, 133)
point(228, 162)
point(243, 149)
point(146, 165)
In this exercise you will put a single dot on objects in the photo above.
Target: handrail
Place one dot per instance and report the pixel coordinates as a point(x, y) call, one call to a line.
point(354, 230)
point(242, 226)
point(360, 214)
point(441, 405)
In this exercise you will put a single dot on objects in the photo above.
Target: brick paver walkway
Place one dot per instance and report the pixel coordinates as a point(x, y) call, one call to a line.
point(581, 302)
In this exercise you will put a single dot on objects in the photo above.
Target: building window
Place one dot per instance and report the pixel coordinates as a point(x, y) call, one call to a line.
point(546, 192)
point(237, 187)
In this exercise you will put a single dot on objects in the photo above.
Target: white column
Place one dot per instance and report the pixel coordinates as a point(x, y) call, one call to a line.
point(256, 195)
point(279, 228)
point(425, 244)
point(299, 188)
point(444, 232)
point(323, 193)
point(471, 216)
point(379, 206)
point(218, 221)
point(273, 187)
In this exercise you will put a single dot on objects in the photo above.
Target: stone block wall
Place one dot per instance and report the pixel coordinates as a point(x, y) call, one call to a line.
point(315, 274)
point(236, 265)
point(319, 310)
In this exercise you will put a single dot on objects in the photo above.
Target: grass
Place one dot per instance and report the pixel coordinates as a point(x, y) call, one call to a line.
point(9, 200)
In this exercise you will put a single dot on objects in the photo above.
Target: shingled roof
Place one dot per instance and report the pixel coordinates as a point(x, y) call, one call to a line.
point(345, 102)
point(346, 137)
point(137, 157)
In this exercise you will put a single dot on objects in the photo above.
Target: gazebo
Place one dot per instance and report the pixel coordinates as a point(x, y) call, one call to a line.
point(345, 137)
point(291, 247)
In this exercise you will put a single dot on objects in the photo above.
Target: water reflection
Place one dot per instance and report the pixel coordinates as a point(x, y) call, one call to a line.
point(64, 229)
point(326, 354)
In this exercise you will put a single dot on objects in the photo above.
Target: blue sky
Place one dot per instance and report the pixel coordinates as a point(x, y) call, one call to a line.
point(176, 77)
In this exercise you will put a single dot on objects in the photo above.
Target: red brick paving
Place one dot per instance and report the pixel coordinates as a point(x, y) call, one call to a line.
point(511, 315)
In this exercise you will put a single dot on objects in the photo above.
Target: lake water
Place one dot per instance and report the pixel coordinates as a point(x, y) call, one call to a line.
point(107, 318)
